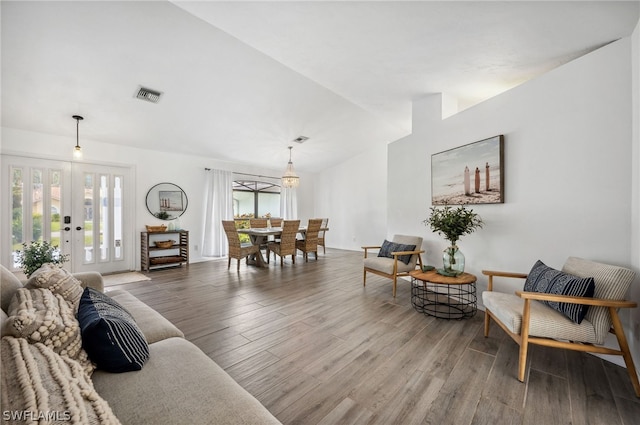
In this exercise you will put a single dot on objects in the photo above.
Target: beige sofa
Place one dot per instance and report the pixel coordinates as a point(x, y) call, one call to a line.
point(178, 384)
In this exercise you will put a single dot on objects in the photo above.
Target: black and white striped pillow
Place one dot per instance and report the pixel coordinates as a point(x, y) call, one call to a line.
point(110, 335)
point(543, 278)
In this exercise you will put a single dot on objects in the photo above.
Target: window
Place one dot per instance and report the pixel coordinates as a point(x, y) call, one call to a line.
point(255, 199)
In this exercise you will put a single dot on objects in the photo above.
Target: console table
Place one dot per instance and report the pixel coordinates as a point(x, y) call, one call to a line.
point(445, 297)
point(152, 256)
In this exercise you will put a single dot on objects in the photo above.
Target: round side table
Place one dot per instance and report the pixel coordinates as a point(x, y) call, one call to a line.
point(445, 297)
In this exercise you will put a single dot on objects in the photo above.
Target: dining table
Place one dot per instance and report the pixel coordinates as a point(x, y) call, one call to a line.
point(260, 235)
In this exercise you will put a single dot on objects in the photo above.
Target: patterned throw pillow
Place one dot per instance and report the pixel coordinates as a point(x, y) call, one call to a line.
point(550, 281)
point(58, 281)
point(110, 335)
point(36, 383)
point(39, 315)
point(389, 247)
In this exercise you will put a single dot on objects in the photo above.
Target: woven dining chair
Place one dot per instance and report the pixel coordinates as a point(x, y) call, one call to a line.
point(287, 244)
point(310, 241)
point(237, 250)
point(276, 222)
point(257, 223)
point(324, 225)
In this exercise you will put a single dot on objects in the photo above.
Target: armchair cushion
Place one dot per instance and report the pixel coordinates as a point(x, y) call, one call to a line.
point(545, 279)
point(545, 322)
point(389, 247)
point(385, 265)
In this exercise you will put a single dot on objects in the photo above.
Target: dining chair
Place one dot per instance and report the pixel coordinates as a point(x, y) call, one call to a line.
point(310, 241)
point(237, 249)
point(256, 223)
point(276, 222)
point(287, 244)
point(324, 225)
point(259, 223)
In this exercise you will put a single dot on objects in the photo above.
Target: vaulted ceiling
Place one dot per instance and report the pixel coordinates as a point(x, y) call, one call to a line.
point(241, 80)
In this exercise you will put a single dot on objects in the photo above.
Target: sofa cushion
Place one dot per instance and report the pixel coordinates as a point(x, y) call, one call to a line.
point(3, 320)
point(389, 247)
point(9, 284)
point(39, 315)
point(36, 381)
point(187, 387)
point(545, 279)
point(109, 334)
point(152, 324)
point(58, 281)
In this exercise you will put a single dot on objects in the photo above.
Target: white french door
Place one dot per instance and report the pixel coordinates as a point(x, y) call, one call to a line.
point(81, 208)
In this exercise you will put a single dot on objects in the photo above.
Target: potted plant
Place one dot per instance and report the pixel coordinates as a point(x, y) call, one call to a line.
point(37, 253)
point(452, 223)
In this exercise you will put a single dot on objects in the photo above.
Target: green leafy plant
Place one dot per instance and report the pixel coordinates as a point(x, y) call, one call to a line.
point(37, 253)
point(453, 223)
point(162, 215)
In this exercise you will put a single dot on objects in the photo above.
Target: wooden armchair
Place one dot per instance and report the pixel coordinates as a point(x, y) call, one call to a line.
point(392, 264)
point(237, 250)
point(525, 318)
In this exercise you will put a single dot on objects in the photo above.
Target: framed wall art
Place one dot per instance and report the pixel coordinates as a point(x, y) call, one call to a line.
point(469, 174)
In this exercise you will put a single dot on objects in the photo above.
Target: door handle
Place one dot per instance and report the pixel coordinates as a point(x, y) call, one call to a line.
point(67, 228)
point(78, 228)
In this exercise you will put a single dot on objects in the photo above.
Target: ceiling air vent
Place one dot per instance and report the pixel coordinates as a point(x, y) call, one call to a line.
point(149, 95)
point(301, 139)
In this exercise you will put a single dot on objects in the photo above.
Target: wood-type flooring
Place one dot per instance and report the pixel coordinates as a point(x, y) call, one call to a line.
point(316, 347)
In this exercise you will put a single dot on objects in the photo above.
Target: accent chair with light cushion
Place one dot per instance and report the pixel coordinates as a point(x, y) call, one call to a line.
point(176, 382)
point(396, 258)
point(574, 308)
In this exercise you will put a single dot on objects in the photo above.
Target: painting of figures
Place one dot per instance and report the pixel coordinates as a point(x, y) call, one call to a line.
point(469, 174)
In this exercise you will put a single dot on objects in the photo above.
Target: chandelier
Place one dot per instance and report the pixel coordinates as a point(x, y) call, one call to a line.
point(290, 179)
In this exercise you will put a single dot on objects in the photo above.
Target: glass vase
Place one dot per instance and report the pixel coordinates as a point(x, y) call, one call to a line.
point(453, 260)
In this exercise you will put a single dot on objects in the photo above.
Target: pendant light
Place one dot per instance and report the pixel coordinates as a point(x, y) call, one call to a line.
point(290, 179)
point(77, 151)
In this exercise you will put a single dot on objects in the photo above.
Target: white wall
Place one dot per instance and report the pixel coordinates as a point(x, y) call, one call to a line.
point(634, 319)
point(150, 167)
point(568, 169)
point(354, 197)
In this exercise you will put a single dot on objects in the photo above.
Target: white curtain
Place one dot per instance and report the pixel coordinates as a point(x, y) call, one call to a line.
point(289, 203)
point(218, 206)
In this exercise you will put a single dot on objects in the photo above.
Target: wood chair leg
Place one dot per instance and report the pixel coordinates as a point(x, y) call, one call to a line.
point(395, 282)
point(524, 340)
point(487, 321)
point(364, 278)
point(624, 347)
point(229, 263)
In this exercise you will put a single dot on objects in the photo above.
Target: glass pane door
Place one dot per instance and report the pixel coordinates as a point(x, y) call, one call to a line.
point(101, 241)
point(37, 196)
point(80, 208)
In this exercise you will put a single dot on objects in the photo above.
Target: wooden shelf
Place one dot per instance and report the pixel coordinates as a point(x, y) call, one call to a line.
point(177, 254)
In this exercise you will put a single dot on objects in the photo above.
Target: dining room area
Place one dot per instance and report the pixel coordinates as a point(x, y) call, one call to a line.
point(255, 240)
